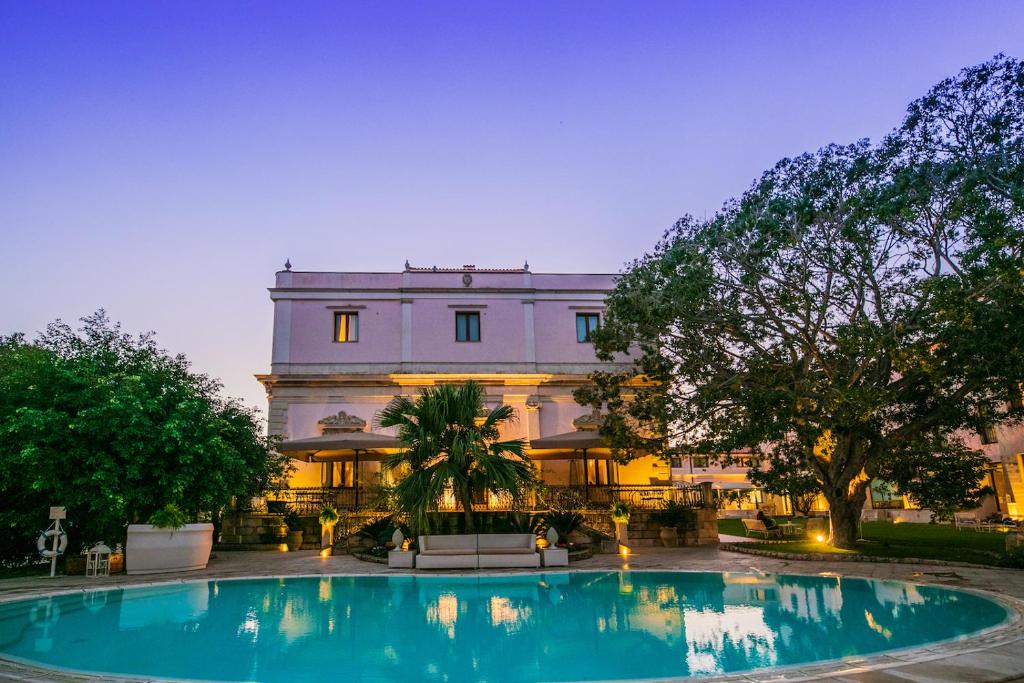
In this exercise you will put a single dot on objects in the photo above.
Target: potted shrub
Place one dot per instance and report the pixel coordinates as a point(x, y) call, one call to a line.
point(168, 543)
point(328, 518)
point(565, 523)
point(294, 524)
point(672, 517)
point(620, 515)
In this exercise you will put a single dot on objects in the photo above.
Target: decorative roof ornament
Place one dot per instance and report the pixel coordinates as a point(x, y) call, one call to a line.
point(589, 423)
point(342, 422)
point(407, 266)
point(288, 264)
point(526, 266)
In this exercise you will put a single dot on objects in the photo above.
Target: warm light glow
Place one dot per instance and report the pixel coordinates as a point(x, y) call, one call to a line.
point(283, 547)
point(624, 551)
point(820, 538)
point(326, 552)
point(405, 544)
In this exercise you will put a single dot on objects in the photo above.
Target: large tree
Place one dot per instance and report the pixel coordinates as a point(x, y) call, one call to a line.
point(114, 428)
point(452, 442)
point(864, 302)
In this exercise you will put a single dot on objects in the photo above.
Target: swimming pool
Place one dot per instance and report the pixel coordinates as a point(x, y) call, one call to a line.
point(522, 627)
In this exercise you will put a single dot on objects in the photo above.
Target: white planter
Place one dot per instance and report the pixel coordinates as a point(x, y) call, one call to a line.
point(151, 550)
point(622, 532)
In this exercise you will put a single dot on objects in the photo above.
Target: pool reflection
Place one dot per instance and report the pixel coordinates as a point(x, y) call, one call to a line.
point(579, 626)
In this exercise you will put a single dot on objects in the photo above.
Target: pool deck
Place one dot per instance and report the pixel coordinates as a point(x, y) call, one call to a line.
point(994, 656)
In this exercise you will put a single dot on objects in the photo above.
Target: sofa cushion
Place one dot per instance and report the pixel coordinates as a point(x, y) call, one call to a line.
point(505, 551)
point(450, 542)
point(448, 551)
point(503, 541)
point(508, 560)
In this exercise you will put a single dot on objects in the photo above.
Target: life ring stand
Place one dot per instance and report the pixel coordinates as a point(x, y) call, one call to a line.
point(44, 540)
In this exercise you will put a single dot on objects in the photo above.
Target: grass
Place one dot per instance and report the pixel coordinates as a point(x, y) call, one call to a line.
point(884, 539)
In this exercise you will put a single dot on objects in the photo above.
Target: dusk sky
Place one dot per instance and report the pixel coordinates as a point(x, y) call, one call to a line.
point(162, 160)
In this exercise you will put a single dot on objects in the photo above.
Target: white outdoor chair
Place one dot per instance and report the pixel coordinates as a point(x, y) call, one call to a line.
point(966, 520)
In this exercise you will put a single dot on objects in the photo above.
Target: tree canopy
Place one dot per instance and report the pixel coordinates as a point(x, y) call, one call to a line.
point(114, 428)
point(863, 302)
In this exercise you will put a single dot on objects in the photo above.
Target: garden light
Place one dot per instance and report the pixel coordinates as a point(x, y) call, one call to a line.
point(820, 538)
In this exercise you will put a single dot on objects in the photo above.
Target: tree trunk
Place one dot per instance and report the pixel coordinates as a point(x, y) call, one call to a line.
point(845, 486)
point(466, 499)
point(844, 516)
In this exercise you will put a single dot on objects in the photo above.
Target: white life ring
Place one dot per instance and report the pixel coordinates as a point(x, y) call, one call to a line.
point(44, 540)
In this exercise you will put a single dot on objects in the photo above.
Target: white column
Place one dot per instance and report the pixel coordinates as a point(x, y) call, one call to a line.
point(406, 330)
point(528, 332)
point(281, 349)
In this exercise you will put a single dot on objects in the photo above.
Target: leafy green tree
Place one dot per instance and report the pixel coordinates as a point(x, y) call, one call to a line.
point(114, 428)
point(453, 441)
point(789, 475)
point(859, 302)
point(942, 477)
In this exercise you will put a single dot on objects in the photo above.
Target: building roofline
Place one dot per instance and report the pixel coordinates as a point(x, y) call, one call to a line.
point(499, 271)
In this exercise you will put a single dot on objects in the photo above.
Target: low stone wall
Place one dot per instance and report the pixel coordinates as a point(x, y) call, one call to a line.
point(644, 533)
point(252, 531)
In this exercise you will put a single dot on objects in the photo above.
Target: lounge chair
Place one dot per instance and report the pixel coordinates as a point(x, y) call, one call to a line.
point(966, 520)
point(756, 526)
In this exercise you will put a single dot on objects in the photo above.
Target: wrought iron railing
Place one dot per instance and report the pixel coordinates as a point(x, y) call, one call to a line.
point(311, 500)
point(636, 496)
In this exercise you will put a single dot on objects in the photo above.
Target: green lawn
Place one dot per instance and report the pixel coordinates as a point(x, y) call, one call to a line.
point(884, 539)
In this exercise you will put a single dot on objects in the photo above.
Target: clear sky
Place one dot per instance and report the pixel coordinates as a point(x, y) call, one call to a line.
point(162, 159)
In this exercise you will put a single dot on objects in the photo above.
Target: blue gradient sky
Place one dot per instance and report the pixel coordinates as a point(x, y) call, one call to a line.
point(163, 159)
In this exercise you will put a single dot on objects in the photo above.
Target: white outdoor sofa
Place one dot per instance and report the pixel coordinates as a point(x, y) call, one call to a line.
point(477, 551)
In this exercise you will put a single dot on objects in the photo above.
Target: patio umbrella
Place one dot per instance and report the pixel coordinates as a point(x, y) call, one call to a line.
point(341, 447)
point(581, 440)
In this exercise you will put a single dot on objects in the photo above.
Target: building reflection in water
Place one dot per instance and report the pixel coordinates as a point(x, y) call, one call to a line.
point(572, 626)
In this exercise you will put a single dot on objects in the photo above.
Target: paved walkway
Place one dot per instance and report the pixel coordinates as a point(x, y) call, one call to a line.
point(997, 656)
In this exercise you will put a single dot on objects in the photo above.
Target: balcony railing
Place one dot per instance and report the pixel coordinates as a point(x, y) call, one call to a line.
point(311, 500)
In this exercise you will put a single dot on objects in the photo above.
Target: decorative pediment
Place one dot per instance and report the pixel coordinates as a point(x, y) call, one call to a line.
point(342, 422)
point(589, 423)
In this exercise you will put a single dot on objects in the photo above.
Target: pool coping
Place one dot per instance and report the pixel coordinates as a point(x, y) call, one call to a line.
point(948, 651)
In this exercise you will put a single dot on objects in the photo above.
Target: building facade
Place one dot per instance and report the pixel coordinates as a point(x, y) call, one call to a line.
point(345, 344)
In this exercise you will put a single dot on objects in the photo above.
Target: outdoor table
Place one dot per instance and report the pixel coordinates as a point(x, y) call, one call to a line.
point(790, 529)
point(401, 559)
point(554, 557)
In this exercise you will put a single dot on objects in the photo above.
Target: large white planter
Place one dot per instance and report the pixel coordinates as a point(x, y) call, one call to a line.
point(151, 550)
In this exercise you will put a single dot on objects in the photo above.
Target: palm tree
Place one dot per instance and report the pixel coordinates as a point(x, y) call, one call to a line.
point(453, 441)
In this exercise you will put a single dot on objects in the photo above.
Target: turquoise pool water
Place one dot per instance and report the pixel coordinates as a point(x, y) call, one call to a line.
point(526, 627)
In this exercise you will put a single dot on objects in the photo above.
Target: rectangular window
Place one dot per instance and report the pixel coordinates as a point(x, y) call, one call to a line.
point(700, 461)
point(586, 325)
point(346, 327)
point(467, 326)
point(988, 435)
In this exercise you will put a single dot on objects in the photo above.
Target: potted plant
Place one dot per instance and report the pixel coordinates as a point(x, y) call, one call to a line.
point(620, 515)
point(328, 518)
point(168, 543)
point(565, 522)
point(294, 523)
point(671, 517)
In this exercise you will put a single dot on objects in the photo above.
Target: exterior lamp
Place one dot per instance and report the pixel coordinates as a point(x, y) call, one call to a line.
point(624, 551)
point(820, 538)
